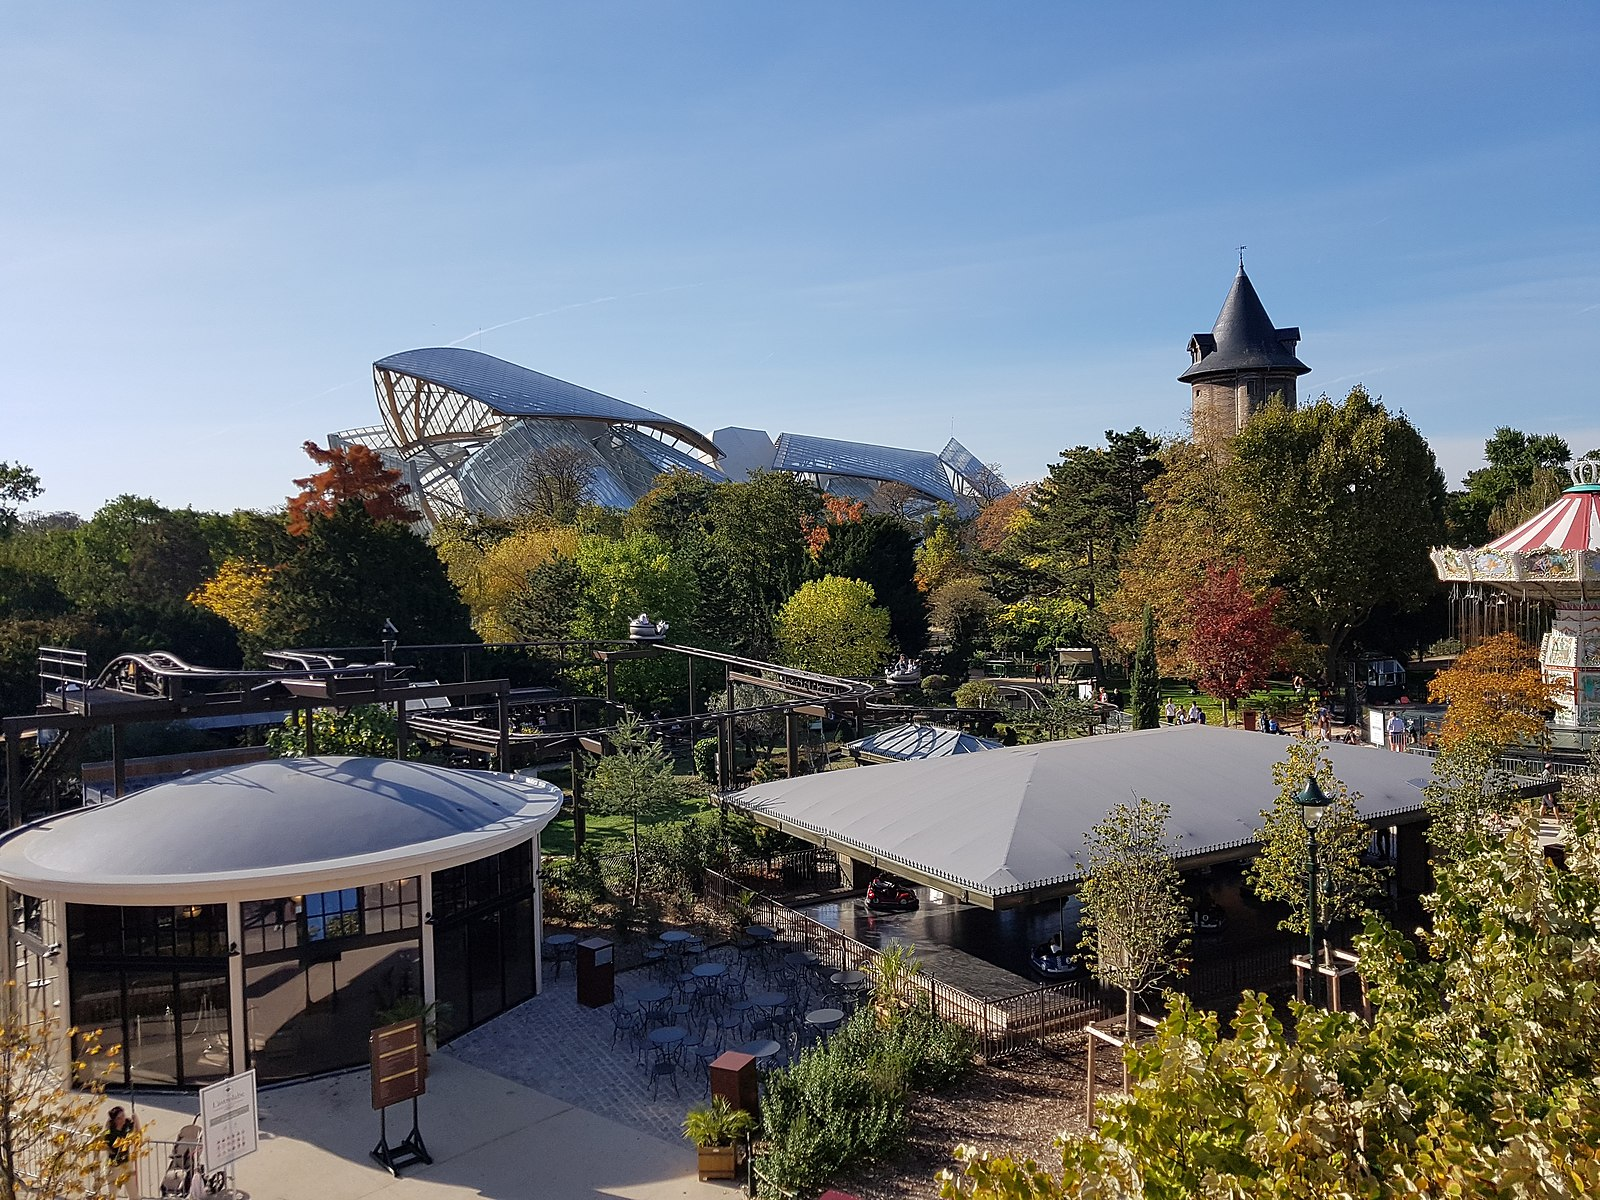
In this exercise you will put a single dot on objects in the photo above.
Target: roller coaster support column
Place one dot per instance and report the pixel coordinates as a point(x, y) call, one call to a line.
point(791, 738)
point(119, 766)
point(13, 776)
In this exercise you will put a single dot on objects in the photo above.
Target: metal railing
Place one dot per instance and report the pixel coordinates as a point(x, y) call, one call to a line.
point(999, 1025)
point(162, 1163)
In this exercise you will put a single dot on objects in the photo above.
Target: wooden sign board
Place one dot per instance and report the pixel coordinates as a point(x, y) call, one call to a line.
point(399, 1062)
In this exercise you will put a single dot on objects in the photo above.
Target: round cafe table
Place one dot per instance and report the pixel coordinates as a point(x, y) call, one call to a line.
point(769, 999)
point(761, 933)
point(760, 1051)
point(673, 936)
point(668, 1035)
point(708, 970)
point(560, 939)
point(825, 1020)
point(849, 979)
point(800, 958)
point(654, 994)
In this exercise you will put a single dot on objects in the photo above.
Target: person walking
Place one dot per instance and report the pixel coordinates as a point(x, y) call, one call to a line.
point(1396, 729)
point(1325, 722)
point(1172, 711)
point(1195, 716)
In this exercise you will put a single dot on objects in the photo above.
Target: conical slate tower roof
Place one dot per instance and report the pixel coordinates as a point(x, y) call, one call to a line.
point(1244, 338)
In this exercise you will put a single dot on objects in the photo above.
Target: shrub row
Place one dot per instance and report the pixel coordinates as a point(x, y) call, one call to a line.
point(847, 1100)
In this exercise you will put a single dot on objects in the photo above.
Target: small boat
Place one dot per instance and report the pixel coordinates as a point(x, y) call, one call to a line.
point(1053, 962)
point(890, 895)
point(905, 673)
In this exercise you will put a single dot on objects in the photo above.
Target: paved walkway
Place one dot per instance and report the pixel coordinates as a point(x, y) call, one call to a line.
point(555, 1045)
point(490, 1137)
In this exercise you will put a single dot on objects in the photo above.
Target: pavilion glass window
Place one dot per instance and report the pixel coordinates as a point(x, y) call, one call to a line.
point(483, 938)
point(321, 969)
point(152, 982)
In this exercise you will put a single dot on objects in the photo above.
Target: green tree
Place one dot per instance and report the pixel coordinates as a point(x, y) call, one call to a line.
point(1145, 685)
point(619, 578)
point(18, 485)
point(961, 607)
point(758, 549)
point(1348, 501)
point(1038, 625)
point(1346, 887)
point(634, 781)
point(365, 731)
point(880, 551)
point(349, 574)
point(1134, 915)
point(834, 626)
point(1478, 1075)
point(1514, 461)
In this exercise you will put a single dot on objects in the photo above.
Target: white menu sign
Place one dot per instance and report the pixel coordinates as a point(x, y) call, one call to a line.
point(228, 1118)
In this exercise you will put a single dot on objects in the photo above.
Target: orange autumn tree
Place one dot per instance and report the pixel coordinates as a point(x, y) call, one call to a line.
point(349, 473)
point(836, 510)
point(1495, 695)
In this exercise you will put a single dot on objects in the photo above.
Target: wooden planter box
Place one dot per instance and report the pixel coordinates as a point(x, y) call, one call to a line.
point(716, 1162)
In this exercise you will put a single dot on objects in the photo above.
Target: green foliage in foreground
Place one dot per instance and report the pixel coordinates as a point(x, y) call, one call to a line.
point(1478, 1076)
point(848, 1099)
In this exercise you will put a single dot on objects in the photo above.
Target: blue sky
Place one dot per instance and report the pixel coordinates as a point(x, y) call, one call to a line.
point(890, 222)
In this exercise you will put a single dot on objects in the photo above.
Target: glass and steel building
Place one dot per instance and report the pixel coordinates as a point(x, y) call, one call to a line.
point(463, 428)
point(270, 915)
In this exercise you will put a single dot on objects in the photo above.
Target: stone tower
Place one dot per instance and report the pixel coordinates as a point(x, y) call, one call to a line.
point(1243, 361)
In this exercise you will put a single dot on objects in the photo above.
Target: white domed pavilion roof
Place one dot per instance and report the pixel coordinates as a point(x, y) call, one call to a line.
point(275, 828)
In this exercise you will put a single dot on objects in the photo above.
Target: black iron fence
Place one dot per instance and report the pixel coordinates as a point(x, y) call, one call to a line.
point(1000, 1025)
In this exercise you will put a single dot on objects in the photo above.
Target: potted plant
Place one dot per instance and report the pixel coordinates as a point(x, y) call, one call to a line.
point(714, 1128)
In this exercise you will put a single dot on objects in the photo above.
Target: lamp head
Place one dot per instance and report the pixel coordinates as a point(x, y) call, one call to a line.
point(1313, 802)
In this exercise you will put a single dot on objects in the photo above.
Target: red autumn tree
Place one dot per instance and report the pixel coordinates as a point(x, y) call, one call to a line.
point(1234, 636)
point(351, 473)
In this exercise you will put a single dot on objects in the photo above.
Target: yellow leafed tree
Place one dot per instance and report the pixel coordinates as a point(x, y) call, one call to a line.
point(52, 1144)
point(237, 593)
point(1495, 693)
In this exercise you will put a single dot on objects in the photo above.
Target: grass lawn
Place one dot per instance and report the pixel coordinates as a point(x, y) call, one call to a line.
point(1181, 694)
point(608, 835)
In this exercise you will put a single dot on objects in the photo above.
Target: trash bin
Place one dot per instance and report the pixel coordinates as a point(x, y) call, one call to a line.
point(596, 973)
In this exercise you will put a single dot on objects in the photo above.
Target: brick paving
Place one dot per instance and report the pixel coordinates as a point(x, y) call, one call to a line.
point(556, 1046)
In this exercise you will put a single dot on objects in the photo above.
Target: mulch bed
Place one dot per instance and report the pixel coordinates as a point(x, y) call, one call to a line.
point(1012, 1107)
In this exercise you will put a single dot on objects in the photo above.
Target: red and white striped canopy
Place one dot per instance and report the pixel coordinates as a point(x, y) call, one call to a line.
point(1571, 523)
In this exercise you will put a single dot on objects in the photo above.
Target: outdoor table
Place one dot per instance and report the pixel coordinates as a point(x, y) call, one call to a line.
point(801, 958)
point(673, 936)
point(760, 1050)
point(557, 940)
point(709, 970)
point(849, 979)
point(825, 1019)
point(668, 1035)
point(654, 994)
point(760, 932)
point(769, 999)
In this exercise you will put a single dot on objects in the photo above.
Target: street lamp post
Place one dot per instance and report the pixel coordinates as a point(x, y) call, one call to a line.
point(1314, 804)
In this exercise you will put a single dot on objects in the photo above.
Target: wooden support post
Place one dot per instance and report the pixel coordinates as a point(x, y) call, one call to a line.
point(309, 712)
point(791, 738)
point(119, 766)
point(400, 729)
point(691, 694)
point(611, 682)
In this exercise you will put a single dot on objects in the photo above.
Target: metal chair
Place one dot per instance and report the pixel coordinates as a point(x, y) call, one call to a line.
point(663, 1066)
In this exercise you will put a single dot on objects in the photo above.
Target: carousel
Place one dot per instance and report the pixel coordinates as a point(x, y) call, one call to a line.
point(1554, 558)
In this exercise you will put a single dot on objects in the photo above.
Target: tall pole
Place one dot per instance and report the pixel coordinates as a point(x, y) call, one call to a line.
point(1311, 922)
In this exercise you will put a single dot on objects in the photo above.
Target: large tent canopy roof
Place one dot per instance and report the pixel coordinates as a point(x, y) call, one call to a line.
point(275, 828)
point(1007, 827)
point(915, 740)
